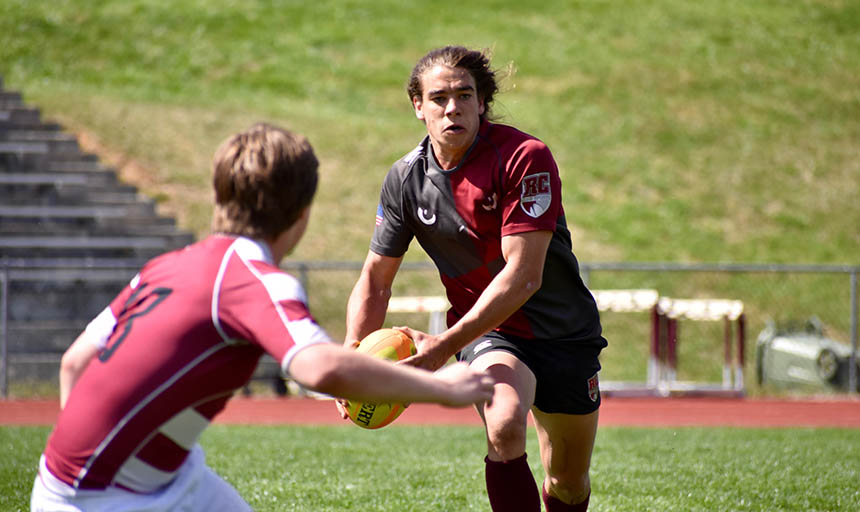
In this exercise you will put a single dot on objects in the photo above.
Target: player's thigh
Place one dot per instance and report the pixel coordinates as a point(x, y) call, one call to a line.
point(204, 489)
point(215, 494)
point(198, 487)
point(566, 443)
point(515, 384)
point(505, 417)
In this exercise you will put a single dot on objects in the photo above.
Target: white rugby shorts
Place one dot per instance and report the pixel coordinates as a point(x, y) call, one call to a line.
point(196, 487)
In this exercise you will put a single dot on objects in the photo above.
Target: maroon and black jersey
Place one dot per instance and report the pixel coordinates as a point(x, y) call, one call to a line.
point(507, 183)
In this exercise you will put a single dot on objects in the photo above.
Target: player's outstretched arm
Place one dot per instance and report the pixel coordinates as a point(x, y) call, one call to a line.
point(344, 373)
point(461, 380)
point(73, 363)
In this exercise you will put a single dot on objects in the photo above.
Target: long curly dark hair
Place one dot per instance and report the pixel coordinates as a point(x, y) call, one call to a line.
point(477, 63)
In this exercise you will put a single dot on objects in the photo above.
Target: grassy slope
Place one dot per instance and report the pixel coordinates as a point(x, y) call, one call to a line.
point(684, 131)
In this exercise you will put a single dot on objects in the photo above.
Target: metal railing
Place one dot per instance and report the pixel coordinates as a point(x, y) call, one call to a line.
point(851, 271)
point(12, 270)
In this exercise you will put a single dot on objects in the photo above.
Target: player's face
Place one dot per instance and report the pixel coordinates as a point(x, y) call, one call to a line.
point(451, 110)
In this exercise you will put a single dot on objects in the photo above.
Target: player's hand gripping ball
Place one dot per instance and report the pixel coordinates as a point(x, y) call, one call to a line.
point(388, 344)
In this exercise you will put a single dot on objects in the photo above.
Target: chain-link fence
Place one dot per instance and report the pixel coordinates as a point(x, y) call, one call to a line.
point(783, 295)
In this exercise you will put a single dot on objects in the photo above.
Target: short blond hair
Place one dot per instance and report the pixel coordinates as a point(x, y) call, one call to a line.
point(263, 178)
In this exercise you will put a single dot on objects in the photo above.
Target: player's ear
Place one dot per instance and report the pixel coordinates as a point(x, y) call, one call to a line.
point(416, 104)
point(482, 107)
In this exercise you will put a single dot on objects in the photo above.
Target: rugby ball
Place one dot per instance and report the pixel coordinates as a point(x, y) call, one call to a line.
point(394, 346)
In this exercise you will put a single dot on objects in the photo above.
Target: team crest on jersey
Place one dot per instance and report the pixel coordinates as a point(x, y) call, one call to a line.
point(536, 196)
point(593, 388)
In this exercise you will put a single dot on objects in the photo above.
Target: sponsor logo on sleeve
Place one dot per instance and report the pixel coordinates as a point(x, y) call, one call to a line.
point(426, 217)
point(536, 196)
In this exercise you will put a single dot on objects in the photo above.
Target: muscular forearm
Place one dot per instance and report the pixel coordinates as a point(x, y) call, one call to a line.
point(368, 302)
point(390, 383)
point(346, 374)
point(505, 294)
point(365, 310)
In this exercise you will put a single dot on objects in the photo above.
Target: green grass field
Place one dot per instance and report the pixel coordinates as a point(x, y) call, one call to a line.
point(432, 469)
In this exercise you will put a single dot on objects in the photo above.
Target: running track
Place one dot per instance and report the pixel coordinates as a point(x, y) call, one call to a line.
point(649, 412)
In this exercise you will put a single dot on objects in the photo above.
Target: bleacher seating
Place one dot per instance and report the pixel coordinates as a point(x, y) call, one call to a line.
point(71, 236)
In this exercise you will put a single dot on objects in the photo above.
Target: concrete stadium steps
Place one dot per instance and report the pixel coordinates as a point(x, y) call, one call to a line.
point(13, 163)
point(138, 247)
point(19, 116)
point(87, 164)
point(45, 368)
point(71, 236)
point(52, 136)
point(62, 189)
point(85, 227)
point(32, 368)
point(39, 156)
point(10, 99)
point(89, 220)
point(47, 212)
point(71, 301)
point(44, 336)
point(35, 150)
point(47, 314)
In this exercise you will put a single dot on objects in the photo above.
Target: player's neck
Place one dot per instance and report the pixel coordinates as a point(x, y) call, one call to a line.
point(448, 158)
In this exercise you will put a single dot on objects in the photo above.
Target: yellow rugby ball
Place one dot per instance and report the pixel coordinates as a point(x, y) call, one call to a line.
point(394, 346)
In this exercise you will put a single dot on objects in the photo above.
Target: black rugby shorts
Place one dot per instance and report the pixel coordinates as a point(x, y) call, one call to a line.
point(566, 370)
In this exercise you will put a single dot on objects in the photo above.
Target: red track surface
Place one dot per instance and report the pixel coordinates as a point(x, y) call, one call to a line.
point(656, 412)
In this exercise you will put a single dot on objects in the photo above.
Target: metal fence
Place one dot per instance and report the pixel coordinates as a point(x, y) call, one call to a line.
point(770, 293)
point(789, 296)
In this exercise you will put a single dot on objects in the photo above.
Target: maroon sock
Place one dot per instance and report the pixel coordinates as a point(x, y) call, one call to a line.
point(554, 504)
point(511, 486)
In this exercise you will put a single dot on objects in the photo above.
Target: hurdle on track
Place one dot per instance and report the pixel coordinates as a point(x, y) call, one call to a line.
point(670, 310)
point(435, 305)
point(665, 313)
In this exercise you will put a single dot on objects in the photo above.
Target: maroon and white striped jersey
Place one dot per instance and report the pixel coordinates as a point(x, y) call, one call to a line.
point(176, 343)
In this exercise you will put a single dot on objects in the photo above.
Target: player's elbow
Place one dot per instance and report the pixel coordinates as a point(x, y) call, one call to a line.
point(326, 380)
point(318, 367)
point(534, 284)
point(530, 284)
point(71, 364)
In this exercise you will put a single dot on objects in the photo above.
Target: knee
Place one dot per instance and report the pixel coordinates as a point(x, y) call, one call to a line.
point(506, 436)
point(570, 488)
